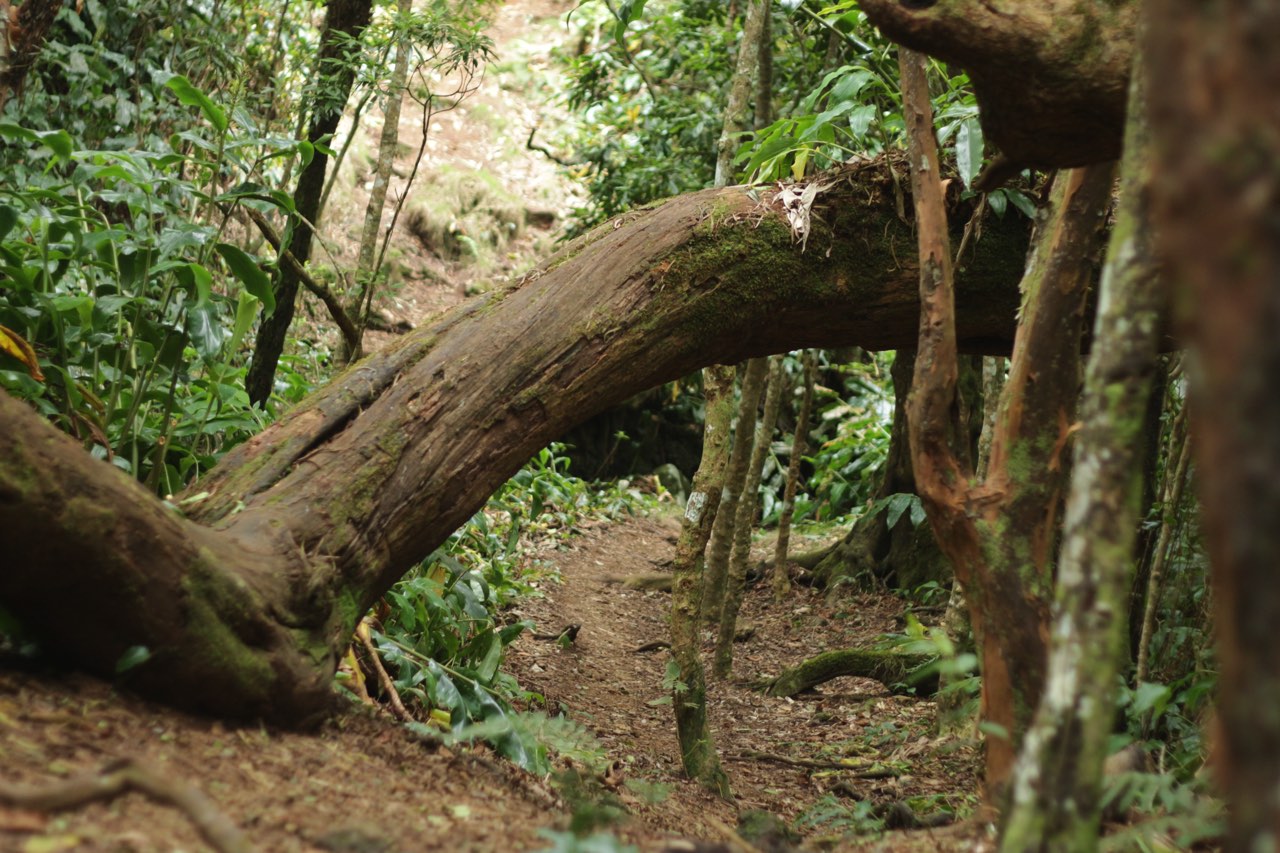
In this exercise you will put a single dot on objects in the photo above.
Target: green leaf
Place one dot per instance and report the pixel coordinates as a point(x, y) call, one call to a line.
point(246, 310)
point(204, 325)
point(197, 280)
point(8, 219)
point(897, 505)
point(1150, 697)
point(1021, 201)
point(917, 512)
point(492, 657)
point(969, 150)
point(132, 657)
point(999, 202)
point(193, 97)
point(629, 11)
point(59, 142)
point(250, 274)
point(444, 693)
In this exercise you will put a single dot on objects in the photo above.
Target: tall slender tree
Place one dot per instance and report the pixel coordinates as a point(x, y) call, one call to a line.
point(335, 71)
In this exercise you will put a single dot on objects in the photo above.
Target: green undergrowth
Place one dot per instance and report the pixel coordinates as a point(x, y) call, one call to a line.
point(443, 630)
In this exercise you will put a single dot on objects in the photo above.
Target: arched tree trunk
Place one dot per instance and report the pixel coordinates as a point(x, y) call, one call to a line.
point(246, 602)
point(1051, 77)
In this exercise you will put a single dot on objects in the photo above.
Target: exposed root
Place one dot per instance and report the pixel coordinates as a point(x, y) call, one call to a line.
point(129, 774)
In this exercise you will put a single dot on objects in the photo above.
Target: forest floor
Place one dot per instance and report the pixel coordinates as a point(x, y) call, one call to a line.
point(365, 783)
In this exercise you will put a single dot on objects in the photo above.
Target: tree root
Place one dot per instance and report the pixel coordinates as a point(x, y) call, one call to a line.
point(897, 671)
point(129, 774)
point(754, 755)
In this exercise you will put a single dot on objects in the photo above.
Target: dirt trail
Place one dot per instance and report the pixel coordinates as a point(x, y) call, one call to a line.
point(602, 681)
point(366, 784)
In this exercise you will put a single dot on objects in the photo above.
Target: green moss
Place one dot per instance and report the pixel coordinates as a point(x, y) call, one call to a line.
point(218, 602)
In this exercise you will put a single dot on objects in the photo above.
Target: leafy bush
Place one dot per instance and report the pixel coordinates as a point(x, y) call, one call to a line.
point(442, 624)
point(135, 310)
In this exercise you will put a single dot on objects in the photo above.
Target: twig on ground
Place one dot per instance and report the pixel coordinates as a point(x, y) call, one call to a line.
point(754, 755)
point(388, 686)
point(130, 774)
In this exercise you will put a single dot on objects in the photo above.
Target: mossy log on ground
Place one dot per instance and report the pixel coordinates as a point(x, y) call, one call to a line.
point(895, 670)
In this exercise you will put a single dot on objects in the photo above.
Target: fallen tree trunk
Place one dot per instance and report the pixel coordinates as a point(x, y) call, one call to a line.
point(246, 602)
point(895, 670)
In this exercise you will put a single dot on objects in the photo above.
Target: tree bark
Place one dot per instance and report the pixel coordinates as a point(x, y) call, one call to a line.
point(1214, 72)
point(1057, 782)
point(344, 20)
point(24, 34)
point(1051, 77)
point(715, 579)
point(367, 271)
point(799, 446)
point(247, 602)
point(892, 669)
point(745, 521)
point(689, 700)
point(739, 100)
point(999, 534)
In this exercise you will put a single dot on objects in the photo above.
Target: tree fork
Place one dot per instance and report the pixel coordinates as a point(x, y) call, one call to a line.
point(999, 534)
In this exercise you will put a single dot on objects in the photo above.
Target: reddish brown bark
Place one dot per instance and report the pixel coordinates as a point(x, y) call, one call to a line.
point(1051, 77)
point(1215, 119)
point(246, 603)
point(999, 533)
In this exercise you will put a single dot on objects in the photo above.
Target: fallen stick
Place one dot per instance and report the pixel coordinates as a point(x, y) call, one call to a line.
point(128, 774)
point(753, 755)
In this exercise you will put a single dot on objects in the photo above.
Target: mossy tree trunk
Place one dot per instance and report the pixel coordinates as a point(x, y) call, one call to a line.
point(1055, 803)
point(799, 446)
point(744, 522)
point(716, 577)
point(248, 599)
point(689, 698)
point(1214, 72)
point(999, 534)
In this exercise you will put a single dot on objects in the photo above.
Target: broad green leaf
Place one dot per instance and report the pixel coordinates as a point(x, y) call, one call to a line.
point(1150, 697)
point(250, 274)
point(917, 512)
point(999, 202)
point(59, 142)
point(193, 97)
point(197, 280)
point(860, 119)
point(898, 504)
point(492, 657)
point(969, 150)
point(204, 325)
point(1021, 201)
point(8, 219)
